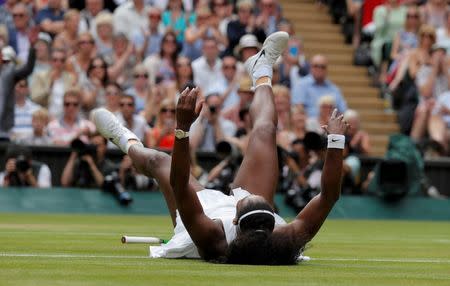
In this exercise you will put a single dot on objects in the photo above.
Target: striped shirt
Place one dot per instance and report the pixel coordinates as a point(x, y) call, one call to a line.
point(62, 133)
point(22, 120)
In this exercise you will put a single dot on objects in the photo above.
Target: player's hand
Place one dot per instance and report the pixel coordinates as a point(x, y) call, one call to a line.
point(336, 124)
point(188, 108)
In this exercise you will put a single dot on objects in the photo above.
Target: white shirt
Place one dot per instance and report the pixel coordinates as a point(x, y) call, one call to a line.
point(442, 39)
point(128, 20)
point(443, 101)
point(23, 46)
point(55, 104)
point(205, 76)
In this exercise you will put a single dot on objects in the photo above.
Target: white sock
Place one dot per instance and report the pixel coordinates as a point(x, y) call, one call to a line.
point(125, 144)
point(262, 71)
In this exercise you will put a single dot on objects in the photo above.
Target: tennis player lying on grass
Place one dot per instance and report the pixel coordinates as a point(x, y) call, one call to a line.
point(241, 228)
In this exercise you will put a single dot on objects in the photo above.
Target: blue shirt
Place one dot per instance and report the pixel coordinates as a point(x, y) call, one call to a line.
point(51, 14)
point(308, 92)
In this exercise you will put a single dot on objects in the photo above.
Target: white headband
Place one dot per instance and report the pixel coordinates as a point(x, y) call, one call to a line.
point(255, 212)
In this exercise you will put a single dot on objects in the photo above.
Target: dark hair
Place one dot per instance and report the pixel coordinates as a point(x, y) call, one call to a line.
point(174, 56)
point(262, 248)
point(104, 80)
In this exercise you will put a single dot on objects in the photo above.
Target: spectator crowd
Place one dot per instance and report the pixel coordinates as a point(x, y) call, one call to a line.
point(61, 59)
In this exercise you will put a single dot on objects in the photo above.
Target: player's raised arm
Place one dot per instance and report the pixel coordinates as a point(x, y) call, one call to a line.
point(203, 231)
point(310, 219)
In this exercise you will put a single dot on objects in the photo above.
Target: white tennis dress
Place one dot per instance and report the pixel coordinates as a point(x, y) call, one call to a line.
point(216, 205)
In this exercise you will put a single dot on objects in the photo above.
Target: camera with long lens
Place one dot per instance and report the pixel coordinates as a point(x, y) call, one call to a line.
point(22, 164)
point(226, 151)
point(111, 184)
point(82, 148)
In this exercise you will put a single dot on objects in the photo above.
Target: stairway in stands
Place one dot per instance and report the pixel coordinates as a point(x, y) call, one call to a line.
point(322, 36)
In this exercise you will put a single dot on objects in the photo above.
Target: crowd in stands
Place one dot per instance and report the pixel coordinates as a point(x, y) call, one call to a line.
point(406, 43)
point(61, 59)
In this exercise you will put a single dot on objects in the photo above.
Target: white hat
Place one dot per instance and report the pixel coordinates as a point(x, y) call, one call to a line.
point(8, 54)
point(247, 41)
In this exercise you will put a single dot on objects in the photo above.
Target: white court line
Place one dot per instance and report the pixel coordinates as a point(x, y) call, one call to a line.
point(55, 255)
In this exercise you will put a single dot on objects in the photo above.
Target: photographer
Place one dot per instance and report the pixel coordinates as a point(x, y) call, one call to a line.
point(87, 165)
point(22, 171)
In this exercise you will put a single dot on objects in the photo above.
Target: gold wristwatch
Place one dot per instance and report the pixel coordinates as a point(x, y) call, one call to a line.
point(180, 134)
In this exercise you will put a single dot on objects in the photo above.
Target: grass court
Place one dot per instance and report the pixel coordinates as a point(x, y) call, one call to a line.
point(38, 249)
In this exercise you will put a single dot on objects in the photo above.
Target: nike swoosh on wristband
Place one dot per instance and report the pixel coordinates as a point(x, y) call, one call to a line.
point(334, 140)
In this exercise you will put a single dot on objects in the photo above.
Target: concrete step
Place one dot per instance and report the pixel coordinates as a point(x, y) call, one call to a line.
point(361, 91)
point(381, 128)
point(356, 102)
point(350, 80)
point(327, 48)
point(377, 116)
point(322, 37)
point(377, 140)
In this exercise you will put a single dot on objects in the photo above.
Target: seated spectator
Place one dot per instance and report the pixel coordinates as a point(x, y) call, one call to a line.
point(207, 25)
point(175, 19)
point(87, 16)
point(405, 40)
point(269, 16)
point(50, 19)
point(359, 140)
point(70, 125)
point(130, 119)
point(122, 61)
point(311, 88)
point(149, 42)
point(247, 47)
point(229, 84)
point(113, 93)
point(163, 64)
point(443, 33)
point(162, 135)
point(326, 105)
point(184, 73)
point(43, 62)
point(94, 89)
point(223, 10)
point(159, 93)
point(40, 136)
point(433, 13)
point(208, 68)
point(48, 87)
point(130, 179)
point(104, 34)
point(141, 88)
point(388, 19)
point(210, 127)
point(130, 17)
point(431, 81)
point(245, 24)
point(282, 98)
point(24, 108)
point(18, 35)
point(68, 38)
point(245, 93)
point(351, 171)
point(79, 62)
point(297, 128)
point(87, 165)
point(22, 171)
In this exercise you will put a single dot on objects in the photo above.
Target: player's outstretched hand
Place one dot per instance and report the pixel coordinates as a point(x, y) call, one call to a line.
point(336, 124)
point(188, 108)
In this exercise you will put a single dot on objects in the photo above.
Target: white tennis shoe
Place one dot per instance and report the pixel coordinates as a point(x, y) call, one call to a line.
point(261, 64)
point(109, 126)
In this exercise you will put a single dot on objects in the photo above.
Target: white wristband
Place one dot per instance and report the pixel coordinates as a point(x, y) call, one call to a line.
point(336, 141)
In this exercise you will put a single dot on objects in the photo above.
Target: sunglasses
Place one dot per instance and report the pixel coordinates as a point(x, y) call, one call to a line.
point(412, 16)
point(165, 110)
point(99, 66)
point(111, 93)
point(61, 60)
point(141, 76)
point(319, 66)
point(229, 67)
point(68, 103)
point(129, 104)
point(154, 16)
point(85, 42)
point(18, 15)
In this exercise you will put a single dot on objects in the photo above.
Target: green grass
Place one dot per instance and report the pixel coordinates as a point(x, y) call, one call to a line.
point(86, 250)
